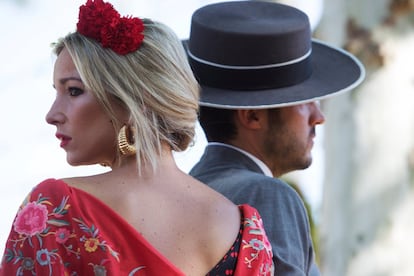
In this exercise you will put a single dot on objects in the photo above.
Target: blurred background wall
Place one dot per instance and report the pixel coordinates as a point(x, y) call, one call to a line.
point(368, 205)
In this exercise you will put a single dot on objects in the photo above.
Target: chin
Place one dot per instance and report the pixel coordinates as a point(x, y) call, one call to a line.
point(308, 163)
point(305, 163)
point(76, 163)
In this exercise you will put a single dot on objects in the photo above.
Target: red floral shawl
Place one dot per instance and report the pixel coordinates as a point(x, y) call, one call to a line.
point(61, 230)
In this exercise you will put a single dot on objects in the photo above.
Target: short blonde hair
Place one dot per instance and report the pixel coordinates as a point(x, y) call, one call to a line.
point(155, 84)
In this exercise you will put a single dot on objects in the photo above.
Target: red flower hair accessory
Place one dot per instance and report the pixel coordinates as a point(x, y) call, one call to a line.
point(100, 21)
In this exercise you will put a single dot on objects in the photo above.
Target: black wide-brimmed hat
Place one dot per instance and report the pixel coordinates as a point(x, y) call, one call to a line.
point(258, 54)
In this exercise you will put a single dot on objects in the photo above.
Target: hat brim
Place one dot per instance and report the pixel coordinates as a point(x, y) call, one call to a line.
point(334, 71)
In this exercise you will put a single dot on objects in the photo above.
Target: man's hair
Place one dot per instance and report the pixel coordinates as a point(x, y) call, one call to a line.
point(155, 84)
point(218, 124)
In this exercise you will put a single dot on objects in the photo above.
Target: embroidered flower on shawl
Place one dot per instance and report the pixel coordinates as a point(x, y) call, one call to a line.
point(31, 220)
point(62, 235)
point(99, 270)
point(256, 223)
point(91, 244)
point(27, 263)
point(100, 21)
point(257, 243)
point(52, 240)
point(43, 257)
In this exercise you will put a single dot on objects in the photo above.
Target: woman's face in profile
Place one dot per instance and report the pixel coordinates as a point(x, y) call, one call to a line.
point(83, 127)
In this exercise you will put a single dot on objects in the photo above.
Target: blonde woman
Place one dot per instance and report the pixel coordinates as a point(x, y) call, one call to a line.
point(126, 98)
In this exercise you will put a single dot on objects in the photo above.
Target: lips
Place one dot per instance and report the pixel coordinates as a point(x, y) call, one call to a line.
point(64, 140)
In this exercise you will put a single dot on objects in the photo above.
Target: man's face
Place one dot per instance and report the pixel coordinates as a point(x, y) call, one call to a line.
point(289, 138)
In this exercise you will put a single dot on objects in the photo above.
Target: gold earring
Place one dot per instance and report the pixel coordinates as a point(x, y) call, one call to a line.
point(125, 142)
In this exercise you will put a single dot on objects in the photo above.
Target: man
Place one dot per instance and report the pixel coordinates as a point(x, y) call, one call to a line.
point(261, 76)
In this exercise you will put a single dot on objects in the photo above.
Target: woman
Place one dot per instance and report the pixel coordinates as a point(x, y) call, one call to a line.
point(126, 98)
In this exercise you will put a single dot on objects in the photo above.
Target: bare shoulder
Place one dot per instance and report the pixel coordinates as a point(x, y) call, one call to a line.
point(91, 184)
point(219, 212)
point(76, 182)
point(216, 202)
point(217, 218)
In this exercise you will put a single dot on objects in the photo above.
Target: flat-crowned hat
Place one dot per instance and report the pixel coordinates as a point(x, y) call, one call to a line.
point(258, 54)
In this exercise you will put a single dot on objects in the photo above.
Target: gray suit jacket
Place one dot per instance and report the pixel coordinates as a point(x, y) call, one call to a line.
point(238, 177)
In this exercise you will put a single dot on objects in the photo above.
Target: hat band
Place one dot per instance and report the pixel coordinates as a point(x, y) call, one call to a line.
point(251, 77)
point(247, 67)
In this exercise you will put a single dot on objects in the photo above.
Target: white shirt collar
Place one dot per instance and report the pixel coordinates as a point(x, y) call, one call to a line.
point(265, 169)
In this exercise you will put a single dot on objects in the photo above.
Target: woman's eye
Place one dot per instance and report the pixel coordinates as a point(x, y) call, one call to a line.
point(74, 91)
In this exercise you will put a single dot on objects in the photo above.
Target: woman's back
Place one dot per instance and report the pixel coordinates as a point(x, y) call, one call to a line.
point(187, 222)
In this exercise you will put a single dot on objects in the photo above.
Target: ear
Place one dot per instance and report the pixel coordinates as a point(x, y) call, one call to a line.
point(251, 118)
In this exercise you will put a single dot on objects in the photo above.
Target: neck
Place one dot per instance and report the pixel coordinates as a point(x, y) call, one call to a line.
point(128, 166)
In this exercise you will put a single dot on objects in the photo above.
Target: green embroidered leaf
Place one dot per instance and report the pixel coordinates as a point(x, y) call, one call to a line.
point(9, 256)
point(58, 222)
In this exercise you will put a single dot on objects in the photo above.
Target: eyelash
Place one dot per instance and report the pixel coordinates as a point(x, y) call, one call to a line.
point(75, 91)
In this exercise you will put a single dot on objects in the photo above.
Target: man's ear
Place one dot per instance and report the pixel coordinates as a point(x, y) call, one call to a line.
point(251, 118)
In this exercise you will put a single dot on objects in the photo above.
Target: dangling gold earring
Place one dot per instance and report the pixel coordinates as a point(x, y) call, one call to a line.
point(125, 142)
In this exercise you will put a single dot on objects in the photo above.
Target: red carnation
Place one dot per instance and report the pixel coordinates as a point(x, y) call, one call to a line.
point(100, 21)
point(124, 37)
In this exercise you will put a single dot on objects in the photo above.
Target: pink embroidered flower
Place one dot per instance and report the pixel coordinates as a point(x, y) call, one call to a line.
point(62, 235)
point(31, 220)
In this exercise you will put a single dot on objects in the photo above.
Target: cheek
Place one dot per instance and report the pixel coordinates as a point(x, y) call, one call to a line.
point(100, 140)
point(299, 120)
point(91, 121)
point(89, 111)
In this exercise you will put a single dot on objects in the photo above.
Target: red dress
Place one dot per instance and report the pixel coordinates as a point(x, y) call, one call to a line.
point(61, 230)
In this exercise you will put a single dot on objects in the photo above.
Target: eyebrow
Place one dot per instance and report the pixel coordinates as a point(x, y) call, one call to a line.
point(64, 80)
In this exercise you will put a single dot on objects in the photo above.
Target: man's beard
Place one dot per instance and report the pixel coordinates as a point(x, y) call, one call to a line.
point(285, 151)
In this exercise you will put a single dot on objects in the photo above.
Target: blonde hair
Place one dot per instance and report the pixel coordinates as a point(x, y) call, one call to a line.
point(155, 84)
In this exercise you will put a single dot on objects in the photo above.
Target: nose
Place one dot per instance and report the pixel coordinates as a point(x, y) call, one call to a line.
point(54, 116)
point(317, 117)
